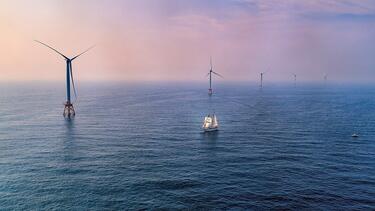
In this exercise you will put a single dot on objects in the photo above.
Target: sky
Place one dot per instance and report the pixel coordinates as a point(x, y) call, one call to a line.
point(173, 40)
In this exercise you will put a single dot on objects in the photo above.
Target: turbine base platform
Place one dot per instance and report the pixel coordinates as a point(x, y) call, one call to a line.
point(210, 92)
point(69, 110)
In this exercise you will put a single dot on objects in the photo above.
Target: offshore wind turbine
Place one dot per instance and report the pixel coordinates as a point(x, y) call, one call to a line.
point(210, 74)
point(68, 109)
point(261, 79)
point(295, 79)
point(325, 78)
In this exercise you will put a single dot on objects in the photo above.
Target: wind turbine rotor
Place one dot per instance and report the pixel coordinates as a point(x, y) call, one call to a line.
point(71, 76)
point(211, 63)
point(52, 49)
point(217, 74)
point(82, 52)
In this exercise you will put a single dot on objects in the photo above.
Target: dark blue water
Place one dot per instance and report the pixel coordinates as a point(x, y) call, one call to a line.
point(141, 147)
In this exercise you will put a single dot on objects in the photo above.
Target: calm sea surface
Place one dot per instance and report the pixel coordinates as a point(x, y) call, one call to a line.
point(141, 147)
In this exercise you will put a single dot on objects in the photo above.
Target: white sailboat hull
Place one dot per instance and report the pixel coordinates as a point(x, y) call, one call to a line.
point(210, 129)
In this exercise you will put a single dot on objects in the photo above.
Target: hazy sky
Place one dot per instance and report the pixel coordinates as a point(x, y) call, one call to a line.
point(174, 39)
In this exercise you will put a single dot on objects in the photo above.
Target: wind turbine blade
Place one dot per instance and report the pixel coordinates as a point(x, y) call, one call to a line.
point(71, 76)
point(52, 49)
point(217, 74)
point(207, 74)
point(211, 62)
point(83, 52)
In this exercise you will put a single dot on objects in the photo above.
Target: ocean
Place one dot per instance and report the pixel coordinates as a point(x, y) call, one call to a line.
point(141, 146)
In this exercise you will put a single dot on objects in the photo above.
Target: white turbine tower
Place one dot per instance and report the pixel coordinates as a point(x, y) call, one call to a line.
point(210, 74)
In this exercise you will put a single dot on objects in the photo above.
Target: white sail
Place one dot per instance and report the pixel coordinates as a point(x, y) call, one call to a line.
point(210, 123)
point(214, 122)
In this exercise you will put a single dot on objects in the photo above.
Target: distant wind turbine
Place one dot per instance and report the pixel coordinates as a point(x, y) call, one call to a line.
point(68, 109)
point(325, 78)
point(210, 74)
point(261, 79)
point(295, 79)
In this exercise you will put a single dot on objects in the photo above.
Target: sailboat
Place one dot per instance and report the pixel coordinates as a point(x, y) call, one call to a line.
point(210, 123)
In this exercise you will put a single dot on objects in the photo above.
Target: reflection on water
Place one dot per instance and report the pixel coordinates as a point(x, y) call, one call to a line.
point(69, 143)
point(210, 137)
point(69, 125)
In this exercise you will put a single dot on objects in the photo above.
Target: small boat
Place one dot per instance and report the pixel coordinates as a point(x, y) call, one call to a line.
point(210, 123)
point(354, 135)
